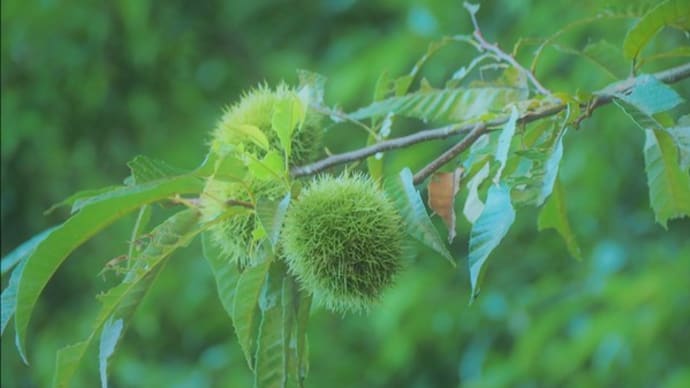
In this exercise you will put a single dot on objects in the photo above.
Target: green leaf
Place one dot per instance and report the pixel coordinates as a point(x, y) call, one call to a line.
point(504, 140)
point(229, 168)
point(449, 105)
point(669, 186)
point(650, 96)
point(382, 88)
point(109, 339)
point(488, 231)
point(224, 271)
point(140, 225)
point(252, 133)
point(271, 215)
point(144, 169)
point(288, 114)
point(303, 301)
point(677, 52)
point(551, 170)
point(681, 137)
point(272, 341)
point(23, 251)
point(121, 301)
point(295, 314)
point(245, 312)
point(77, 200)
point(554, 215)
point(608, 57)
point(271, 166)
point(402, 84)
point(667, 13)
point(60, 242)
point(411, 208)
point(473, 205)
point(9, 296)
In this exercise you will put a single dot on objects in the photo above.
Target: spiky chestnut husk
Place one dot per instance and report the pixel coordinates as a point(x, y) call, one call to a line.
point(256, 108)
point(234, 235)
point(343, 240)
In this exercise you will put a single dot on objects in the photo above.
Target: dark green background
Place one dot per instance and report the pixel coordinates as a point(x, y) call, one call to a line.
point(86, 86)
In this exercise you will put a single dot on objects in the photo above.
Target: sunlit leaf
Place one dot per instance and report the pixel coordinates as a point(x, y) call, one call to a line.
point(54, 249)
point(402, 84)
point(650, 96)
point(669, 186)
point(271, 215)
point(288, 115)
point(247, 132)
point(144, 169)
point(411, 208)
point(667, 13)
point(245, 312)
point(488, 231)
point(109, 338)
point(449, 105)
point(554, 215)
point(271, 166)
point(473, 205)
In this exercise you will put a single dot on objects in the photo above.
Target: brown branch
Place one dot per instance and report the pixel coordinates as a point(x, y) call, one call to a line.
point(603, 97)
point(452, 152)
point(237, 202)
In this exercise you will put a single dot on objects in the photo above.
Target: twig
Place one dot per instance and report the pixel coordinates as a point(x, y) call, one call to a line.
point(504, 56)
point(452, 152)
point(237, 202)
point(406, 141)
point(603, 97)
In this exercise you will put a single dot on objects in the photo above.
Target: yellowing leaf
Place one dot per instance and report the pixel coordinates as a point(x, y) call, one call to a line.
point(442, 188)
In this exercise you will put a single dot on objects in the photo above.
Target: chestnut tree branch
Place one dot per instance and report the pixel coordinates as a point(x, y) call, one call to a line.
point(452, 152)
point(602, 97)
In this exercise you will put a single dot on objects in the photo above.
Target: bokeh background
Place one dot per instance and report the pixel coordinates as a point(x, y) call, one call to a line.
point(86, 86)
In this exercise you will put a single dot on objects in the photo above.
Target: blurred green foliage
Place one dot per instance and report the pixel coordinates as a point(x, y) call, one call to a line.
point(87, 86)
